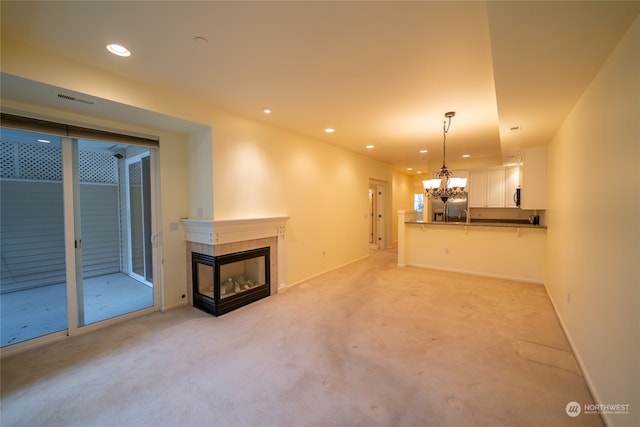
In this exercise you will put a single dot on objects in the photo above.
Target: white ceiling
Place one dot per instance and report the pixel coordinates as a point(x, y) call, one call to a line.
point(381, 73)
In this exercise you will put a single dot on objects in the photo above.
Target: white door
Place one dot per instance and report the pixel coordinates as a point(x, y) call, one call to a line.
point(376, 214)
point(139, 218)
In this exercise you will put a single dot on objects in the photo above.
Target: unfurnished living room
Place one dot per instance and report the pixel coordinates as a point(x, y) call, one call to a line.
point(301, 213)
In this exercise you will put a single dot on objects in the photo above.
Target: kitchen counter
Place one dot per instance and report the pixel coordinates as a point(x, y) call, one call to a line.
point(483, 223)
point(508, 250)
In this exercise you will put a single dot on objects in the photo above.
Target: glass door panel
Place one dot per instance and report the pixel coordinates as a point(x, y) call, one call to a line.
point(114, 272)
point(33, 288)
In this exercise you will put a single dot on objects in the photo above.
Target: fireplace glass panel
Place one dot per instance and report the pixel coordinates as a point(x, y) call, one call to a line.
point(205, 279)
point(226, 282)
point(241, 276)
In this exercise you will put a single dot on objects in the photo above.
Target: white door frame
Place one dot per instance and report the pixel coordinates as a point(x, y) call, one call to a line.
point(129, 161)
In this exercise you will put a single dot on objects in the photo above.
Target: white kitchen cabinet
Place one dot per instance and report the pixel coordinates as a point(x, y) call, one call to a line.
point(486, 188)
point(533, 178)
point(511, 183)
point(495, 188)
point(477, 189)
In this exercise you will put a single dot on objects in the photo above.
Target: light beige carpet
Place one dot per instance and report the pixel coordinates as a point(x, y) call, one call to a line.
point(369, 344)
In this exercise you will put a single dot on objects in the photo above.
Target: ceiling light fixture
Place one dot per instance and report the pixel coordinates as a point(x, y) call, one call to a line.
point(44, 141)
point(119, 50)
point(466, 156)
point(329, 130)
point(369, 147)
point(266, 110)
point(424, 151)
point(445, 186)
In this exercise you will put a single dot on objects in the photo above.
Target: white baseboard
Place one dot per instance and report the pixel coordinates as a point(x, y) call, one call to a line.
point(475, 273)
point(174, 306)
point(321, 273)
point(583, 369)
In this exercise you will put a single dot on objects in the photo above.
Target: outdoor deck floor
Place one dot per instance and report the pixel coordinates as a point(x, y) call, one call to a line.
point(40, 311)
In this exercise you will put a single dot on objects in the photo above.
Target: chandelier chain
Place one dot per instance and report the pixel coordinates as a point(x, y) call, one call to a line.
point(445, 129)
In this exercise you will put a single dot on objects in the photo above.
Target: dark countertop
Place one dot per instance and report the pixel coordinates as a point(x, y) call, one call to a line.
point(501, 221)
point(483, 223)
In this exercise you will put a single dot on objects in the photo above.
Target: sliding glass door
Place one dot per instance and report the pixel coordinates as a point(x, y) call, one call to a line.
point(77, 226)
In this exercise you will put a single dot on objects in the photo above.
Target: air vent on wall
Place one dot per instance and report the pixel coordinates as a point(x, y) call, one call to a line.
point(67, 97)
point(74, 99)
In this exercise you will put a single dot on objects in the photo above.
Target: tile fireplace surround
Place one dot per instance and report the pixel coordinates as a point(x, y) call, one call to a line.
point(222, 237)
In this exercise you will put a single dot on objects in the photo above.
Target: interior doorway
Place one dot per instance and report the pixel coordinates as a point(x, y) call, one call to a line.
point(377, 216)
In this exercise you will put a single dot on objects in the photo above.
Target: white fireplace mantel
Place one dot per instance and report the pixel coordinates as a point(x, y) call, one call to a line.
point(218, 232)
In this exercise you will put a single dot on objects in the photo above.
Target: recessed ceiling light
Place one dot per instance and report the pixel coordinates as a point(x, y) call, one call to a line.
point(419, 172)
point(119, 50)
point(424, 151)
point(370, 146)
point(409, 169)
point(44, 141)
point(466, 156)
point(266, 110)
point(329, 130)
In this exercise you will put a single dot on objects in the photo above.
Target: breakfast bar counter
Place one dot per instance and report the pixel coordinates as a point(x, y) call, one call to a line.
point(481, 224)
point(507, 250)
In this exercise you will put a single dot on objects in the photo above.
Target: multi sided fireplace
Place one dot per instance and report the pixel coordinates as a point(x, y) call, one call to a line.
point(226, 282)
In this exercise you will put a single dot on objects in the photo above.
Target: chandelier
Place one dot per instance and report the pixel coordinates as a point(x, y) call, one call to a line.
point(445, 186)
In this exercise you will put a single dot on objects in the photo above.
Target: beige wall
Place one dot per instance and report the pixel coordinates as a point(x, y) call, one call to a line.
point(593, 252)
point(200, 186)
point(261, 171)
point(403, 191)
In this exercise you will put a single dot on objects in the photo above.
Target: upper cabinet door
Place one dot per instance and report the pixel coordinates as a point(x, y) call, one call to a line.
point(486, 188)
point(495, 188)
point(478, 189)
